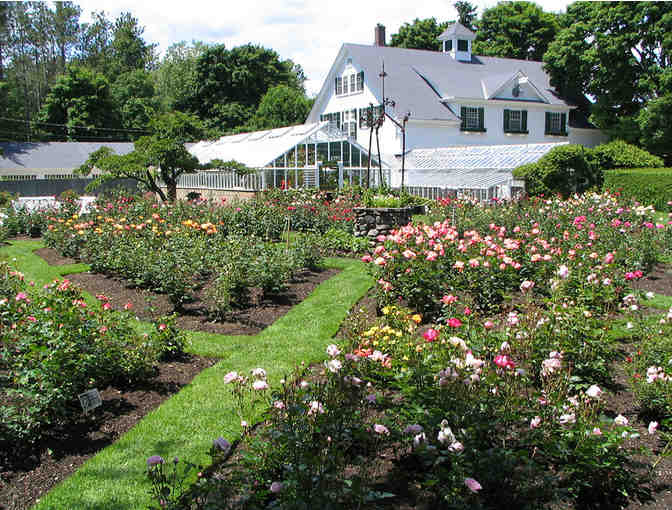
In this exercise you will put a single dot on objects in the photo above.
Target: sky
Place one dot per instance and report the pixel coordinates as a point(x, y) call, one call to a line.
point(309, 32)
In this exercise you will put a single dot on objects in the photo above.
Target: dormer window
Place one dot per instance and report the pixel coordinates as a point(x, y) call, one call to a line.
point(462, 45)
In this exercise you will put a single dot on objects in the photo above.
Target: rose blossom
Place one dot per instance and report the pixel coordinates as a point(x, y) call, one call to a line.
point(653, 426)
point(594, 391)
point(621, 420)
point(535, 422)
point(381, 429)
point(430, 335)
point(333, 350)
point(473, 485)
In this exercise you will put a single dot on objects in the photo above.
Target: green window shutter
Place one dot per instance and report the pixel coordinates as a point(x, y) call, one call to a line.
point(481, 118)
point(523, 121)
point(464, 118)
point(507, 118)
point(563, 123)
point(547, 129)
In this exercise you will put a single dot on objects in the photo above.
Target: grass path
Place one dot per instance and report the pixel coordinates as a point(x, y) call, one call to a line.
point(186, 424)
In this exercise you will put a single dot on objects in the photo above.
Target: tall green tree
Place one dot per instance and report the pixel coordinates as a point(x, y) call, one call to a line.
point(130, 52)
point(94, 46)
point(230, 83)
point(421, 34)
point(281, 106)
point(619, 53)
point(466, 14)
point(66, 30)
point(160, 157)
point(135, 100)
point(519, 30)
point(175, 77)
point(81, 101)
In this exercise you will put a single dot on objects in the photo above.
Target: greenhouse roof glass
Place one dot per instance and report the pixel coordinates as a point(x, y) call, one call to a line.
point(477, 157)
point(260, 149)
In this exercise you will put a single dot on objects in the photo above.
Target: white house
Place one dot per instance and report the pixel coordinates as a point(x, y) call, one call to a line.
point(447, 98)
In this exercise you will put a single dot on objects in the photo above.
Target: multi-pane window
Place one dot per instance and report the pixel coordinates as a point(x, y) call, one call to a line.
point(556, 123)
point(462, 45)
point(334, 119)
point(515, 121)
point(473, 118)
point(350, 83)
point(364, 115)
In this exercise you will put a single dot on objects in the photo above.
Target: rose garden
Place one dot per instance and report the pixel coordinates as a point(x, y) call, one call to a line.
point(500, 355)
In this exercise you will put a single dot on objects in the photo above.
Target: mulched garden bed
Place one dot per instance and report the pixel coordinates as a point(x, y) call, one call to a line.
point(149, 305)
point(658, 280)
point(23, 481)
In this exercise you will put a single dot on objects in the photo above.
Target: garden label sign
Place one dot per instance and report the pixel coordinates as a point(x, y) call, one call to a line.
point(90, 400)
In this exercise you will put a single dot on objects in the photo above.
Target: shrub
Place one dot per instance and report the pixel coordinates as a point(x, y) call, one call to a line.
point(649, 186)
point(619, 154)
point(564, 169)
point(59, 346)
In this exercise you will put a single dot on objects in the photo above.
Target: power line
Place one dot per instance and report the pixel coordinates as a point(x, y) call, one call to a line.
point(89, 128)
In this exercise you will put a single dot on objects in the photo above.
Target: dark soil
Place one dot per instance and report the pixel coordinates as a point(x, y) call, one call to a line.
point(23, 481)
point(658, 280)
point(149, 305)
point(53, 258)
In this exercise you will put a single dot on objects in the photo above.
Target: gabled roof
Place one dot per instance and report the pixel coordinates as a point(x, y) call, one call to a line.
point(260, 149)
point(410, 73)
point(457, 31)
point(18, 157)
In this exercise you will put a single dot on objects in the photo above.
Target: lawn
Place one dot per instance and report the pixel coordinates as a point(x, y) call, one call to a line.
point(186, 424)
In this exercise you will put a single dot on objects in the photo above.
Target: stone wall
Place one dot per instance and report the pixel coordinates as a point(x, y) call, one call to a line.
point(374, 221)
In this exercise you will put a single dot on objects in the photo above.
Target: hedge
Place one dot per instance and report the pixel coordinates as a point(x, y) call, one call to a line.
point(649, 186)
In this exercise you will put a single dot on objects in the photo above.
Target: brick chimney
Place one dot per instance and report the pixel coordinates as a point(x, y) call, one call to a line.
point(379, 38)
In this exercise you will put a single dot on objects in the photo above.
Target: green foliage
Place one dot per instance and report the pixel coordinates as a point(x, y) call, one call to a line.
point(231, 83)
point(593, 55)
point(654, 127)
point(466, 14)
point(234, 165)
point(421, 34)
point(162, 155)
point(620, 154)
point(59, 348)
point(563, 170)
point(176, 74)
point(281, 106)
point(519, 30)
point(651, 186)
point(80, 99)
point(134, 95)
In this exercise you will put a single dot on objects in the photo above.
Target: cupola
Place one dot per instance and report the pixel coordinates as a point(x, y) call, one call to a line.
point(457, 40)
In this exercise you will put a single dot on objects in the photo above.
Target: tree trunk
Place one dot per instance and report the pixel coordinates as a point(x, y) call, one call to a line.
point(172, 191)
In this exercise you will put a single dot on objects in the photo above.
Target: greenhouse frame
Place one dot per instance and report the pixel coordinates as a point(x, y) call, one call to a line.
point(317, 155)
